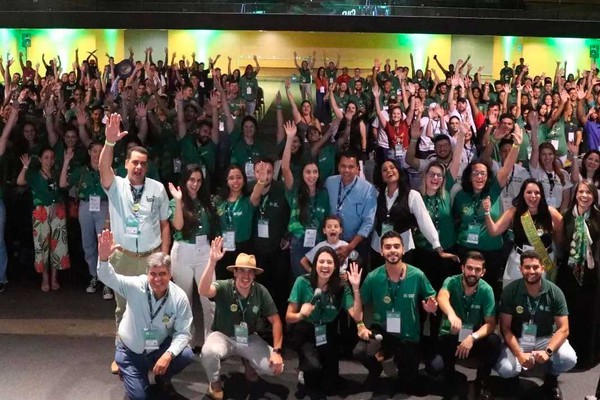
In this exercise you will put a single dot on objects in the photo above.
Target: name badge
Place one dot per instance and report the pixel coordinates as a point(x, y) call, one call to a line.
point(386, 227)
point(506, 202)
point(392, 322)
point(132, 227)
point(241, 334)
point(320, 335)
point(221, 126)
point(322, 89)
point(465, 331)
point(554, 143)
point(263, 228)
point(201, 242)
point(330, 80)
point(571, 137)
point(229, 240)
point(310, 237)
point(528, 337)
point(150, 339)
point(249, 169)
point(201, 83)
point(473, 233)
point(176, 165)
point(94, 203)
point(249, 90)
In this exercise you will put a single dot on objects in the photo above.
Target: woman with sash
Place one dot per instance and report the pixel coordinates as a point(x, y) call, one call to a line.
point(535, 225)
point(315, 302)
point(579, 273)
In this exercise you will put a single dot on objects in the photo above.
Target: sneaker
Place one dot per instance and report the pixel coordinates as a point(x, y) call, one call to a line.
point(93, 286)
point(2, 286)
point(107, 294)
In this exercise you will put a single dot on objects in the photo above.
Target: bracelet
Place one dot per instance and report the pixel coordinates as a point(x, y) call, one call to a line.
point(516, 146)
point(278, 107)
point(486, 213)
point(25, 167)
point(109, 143)
point(261, 183)
point(414, 140)
point(360, 324)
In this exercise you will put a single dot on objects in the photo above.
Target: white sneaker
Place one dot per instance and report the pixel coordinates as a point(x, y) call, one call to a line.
point(93, 286)
point(107, 294)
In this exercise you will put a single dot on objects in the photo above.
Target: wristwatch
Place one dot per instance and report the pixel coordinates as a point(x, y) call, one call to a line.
point(475, 336)
point(277, 350)
point(549, 351)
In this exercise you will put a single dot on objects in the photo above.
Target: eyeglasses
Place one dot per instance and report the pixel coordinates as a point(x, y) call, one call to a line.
point(435, 175)
point(479, 173)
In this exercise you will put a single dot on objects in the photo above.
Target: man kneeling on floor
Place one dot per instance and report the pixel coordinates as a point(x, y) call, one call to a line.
point(154, 333)
point(240, 304)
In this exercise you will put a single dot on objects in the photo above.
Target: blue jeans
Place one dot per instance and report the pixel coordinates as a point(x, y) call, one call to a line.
point(297, 251)
point(3, 256)
point(91, 223)
point(135, 367)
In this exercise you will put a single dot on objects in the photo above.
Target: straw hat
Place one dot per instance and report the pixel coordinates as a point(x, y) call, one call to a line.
point(246, 261)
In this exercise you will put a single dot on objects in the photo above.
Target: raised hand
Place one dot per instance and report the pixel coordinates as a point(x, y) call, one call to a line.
point(175, 191)
point(278, 99)
point(106, 245)
point(290, 129)
point(113, 128)
point(25, 160)
point(354, 275)
point(517, 135)
point(69, 153)
point(141, 110)
point(216, 249)
point(430, 305)
point(486, 204)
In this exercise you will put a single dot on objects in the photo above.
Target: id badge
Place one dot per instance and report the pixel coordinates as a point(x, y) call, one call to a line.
point(571, 137)
point(399, 150)
point(330, 81)
point(528, 337)
point(202, 84)
point(393, 322)
point(310, 237)
point(249, 90)
point(320, 335)
point(506, 203)
point(473, 233)
point(201, 241)
point(249, 169)
point(465, 332)
point(386, 227)
point(322, 89)
point(229, 240)
point(150, 339)
point(132, 227)
point(94, 203)
point(263, 228)
point(241, 334)
point(221, 126)
point(554, 143)
point(176, 165)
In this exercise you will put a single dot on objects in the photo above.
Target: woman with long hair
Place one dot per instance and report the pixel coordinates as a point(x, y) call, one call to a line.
point(535, 224)
point(308, 201)
point(195, 224)
point(315, 302)
point(352, 130)
point(235, 209)
point(323, 112)
point(304, 117)
point(51, 251)
point(589, 169)
point(579, 273)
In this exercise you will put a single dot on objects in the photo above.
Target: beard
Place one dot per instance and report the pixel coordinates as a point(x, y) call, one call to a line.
point(393, 258)
point(470, 281)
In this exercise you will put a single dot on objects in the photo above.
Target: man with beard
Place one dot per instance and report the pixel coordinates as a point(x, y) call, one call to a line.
point(467, 328)
point(394, 291)
point(529, 309)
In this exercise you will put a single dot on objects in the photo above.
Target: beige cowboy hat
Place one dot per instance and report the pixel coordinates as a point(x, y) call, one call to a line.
point(246, 261)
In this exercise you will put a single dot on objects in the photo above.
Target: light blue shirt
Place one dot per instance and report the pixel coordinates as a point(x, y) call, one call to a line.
point(358, 203)
point(173, 320)
point(153, 208)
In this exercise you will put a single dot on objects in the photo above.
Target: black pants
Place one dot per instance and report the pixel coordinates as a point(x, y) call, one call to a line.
point(320, 364)
point(486, 350)
point(406, 354)
point(276, 278)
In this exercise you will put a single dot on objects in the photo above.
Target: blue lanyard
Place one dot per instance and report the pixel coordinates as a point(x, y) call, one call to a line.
point(340, 200)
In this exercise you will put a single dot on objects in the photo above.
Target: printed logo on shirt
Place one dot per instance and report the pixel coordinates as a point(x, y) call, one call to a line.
point(409, 295)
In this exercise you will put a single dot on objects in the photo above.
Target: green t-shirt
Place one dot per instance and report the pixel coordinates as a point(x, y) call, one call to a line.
point(87, 182)
point(274, 209)
point(231, 309)
point(236, 216)
point(556, 136)
point(472, 231)
point(326, 161)
point(403, 297)
point(470, 309)
point(193, 153)
point(341, 102)
point(327, 307)
point(241, 152)
point(79, 157)
point(319, 208)
point(203, 227)
point(440, 211)
point(44, 192)
point(331, 74)
point(249, 87)
point(305, 75)
point(549, 303)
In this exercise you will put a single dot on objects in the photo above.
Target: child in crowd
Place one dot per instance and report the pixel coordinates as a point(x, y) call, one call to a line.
point(333, 231)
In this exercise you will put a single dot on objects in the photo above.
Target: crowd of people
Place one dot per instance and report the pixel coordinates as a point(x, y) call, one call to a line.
point(402, 192)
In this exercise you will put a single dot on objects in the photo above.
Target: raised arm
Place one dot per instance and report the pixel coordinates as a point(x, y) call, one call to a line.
point(288, 177)
point(458, 149)
point(229, 122)
point(296, 60)
point(288, 92)
point(504, 222)
point(257, 69)
point(444, 70)
point(49, 111)
point(113, 135)
point(334, 106)
point(533, 120)
point(415, 134)
point(206, 287)
point(10, 124)
point(511, 158)
point(382, 120)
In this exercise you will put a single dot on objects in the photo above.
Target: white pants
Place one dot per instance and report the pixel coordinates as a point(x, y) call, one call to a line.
point(219, 346)
point(187, 265)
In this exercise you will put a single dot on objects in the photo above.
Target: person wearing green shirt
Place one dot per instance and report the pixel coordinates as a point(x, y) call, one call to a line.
point(121, 169)
point(249, 86)
point(535, 325)
point(315, 302)
point(240, 306)
point(395, 290)
point(506, 73)
point(195, 222)
point(93, 207)
point(235, 210)
point(49, 218)
point(306, 78)
point(467, 329)
point(308, 202)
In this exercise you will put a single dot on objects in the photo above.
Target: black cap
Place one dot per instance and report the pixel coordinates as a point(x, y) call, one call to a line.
point(124, 69)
